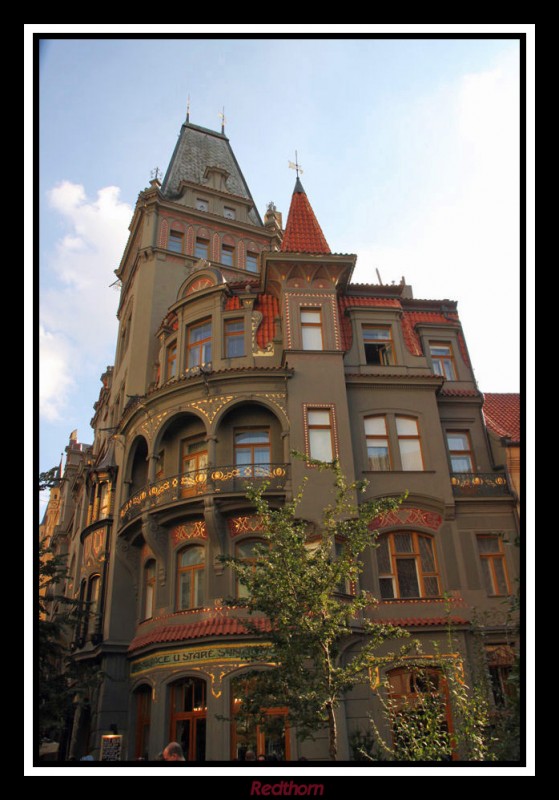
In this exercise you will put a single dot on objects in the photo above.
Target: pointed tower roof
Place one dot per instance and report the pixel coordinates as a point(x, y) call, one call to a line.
point(198, 149)
point(302, 233)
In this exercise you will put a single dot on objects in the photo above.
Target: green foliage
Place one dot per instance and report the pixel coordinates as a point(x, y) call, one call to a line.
point(49, 479)
point(309, 593)
point(59, 678)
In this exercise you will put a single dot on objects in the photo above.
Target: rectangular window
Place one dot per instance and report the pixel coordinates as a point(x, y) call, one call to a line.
point(175, 241)
point(201, 248)
point(407, 566)
point(409, 443)
point(252, 262)
point(379, 348)
point(377, 443)
point(311, 329)
point(460, 451)
point(227, 255)
point(493, 567)
point(104, 500)
point(199, 344)
point(319, 425)
point(234, 338)
point(171, 369)
point(442, 360)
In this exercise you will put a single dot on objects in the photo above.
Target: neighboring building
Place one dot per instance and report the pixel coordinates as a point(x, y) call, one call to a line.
point(238, 343)
point(502, 417)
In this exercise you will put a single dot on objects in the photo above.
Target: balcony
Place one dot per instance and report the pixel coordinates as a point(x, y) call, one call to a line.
point(229, 479)
point(480, 484)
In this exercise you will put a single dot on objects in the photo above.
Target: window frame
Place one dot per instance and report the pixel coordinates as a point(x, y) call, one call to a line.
point(461, 453)
point(440, 359)
point(176, 238)
point(390, 342)
point(250, 260)
point(237, 448)
point(149, 584)
point(312, 427)
point(230, 250)
point(200, 344)
point(415, 556)
point(311, 326)
point(408, 437)
point(200, 242)
point(242, 594)
point(490, 558)
point(192, 569)
point(239, 335)
point(171, 360)
point(374, 436)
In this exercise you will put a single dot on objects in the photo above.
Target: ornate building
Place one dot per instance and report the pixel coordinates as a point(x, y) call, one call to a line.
point(240, 341)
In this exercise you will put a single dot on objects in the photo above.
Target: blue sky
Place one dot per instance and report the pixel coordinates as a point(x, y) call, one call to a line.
point(410, 157)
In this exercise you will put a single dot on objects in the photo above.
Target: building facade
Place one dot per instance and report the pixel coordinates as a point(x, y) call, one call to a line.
point(239, 342)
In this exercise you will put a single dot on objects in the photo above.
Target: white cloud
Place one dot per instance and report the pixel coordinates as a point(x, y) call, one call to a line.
point(54, 374)
point(77, 307)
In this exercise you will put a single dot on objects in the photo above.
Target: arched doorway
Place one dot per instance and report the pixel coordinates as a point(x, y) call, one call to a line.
point(188, 710)
point(268, 737)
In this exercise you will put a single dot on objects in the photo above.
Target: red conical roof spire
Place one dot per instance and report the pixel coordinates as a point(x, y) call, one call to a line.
point(302, 233)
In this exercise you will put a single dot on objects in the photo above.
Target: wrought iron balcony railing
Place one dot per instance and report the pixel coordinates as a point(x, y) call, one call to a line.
point(210, 480)
point(480, 484)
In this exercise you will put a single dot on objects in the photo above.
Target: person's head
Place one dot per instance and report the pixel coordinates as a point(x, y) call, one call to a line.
point(173, 752)
point(261, 757)
point(249, 755)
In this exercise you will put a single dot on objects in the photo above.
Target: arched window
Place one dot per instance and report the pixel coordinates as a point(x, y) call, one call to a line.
point(246, 551)
point(407, 566)
point(190, 577)
point(149, 589)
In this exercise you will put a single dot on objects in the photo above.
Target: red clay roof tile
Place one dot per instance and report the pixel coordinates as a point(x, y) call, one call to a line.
point(502, 414)
point(216, 626)
point(302, 233)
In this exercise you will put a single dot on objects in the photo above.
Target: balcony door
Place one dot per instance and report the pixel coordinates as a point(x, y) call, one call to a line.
point(252, 452)
point(194, 466)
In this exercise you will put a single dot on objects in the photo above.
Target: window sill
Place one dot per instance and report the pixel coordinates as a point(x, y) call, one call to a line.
point(398, 471)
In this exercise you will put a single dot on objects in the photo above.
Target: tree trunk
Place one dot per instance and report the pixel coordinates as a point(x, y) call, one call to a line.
point(332, 732)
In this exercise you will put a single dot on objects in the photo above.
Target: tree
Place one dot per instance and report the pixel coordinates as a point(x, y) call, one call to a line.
point(59, 677)
point(309, 592)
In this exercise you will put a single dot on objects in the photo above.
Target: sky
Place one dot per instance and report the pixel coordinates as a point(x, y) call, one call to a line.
point(410, 157)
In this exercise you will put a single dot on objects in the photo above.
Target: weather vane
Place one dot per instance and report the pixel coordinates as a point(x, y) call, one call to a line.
point(155, 174)
point(222, 115)
point(188, 108)
point(296, 166)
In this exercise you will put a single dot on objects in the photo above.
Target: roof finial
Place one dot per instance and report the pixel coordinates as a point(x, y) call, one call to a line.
point(188, 108)
point(296, 166)
point(222, 115)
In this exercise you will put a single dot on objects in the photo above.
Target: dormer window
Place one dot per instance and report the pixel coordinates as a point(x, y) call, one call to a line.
point(379, 348)
point(201, 205)
point(229, 213)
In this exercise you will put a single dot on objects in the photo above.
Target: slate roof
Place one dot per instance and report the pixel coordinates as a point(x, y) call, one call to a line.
point(502, 415)
point(198, 148)
point(302, 233)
